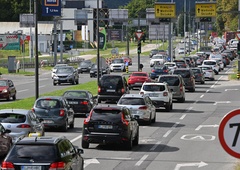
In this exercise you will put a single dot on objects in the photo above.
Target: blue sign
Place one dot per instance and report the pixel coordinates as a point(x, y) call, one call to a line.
point(51, 7)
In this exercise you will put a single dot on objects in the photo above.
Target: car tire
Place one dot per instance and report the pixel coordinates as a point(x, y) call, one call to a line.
point(85, 144)
point(168, 107)
point(99, 101)
point(14, 97)
point(72, 124)
point(171, 106)
point(149, 122)
point(64, 128)
point(202, 82)
point(74, 82)
point(154, 119)
point(136, 140)
point(77, 81)
point(181, 100)
point(54, 84)
point(8, 98)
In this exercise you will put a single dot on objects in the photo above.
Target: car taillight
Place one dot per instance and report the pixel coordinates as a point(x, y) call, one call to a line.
point(84, 102)
point(99, 89)
point(181, 87)
point(125, 122)
point(143, 108)
point(7, 166)
point(153, 71)
point(141, 92)
point(165, 71)
point(165, 93)
point(57, 166)
point(86, 121)
point(33, 110)
point(122, 90)
point(24, 126)
point(62, 112)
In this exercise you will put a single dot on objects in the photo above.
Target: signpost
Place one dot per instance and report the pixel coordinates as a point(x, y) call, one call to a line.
point(51, 8)
point(205, 9)
point(238, 51)
point(228, 133)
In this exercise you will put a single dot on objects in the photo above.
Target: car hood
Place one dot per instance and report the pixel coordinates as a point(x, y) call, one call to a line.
point(3, 87)
point(63, 74)
point(117, 64)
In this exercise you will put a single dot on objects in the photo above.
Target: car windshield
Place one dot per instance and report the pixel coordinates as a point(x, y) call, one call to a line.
point(171, 81)
point(111, 115)
point(160, 67)
point(183, 73)
point(12, 118)
point(118, 61)
point(210, 63)
point(139, 74)
point(154, 87)
point(131, 101)
point(157, 57)
point(78, 94)
point(111, 81)
point(61, 65)
point(3, 83)
point(48, 103)
point(64, 70)
point(84, 64)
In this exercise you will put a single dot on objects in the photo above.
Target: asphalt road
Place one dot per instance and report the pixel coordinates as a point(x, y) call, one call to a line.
point(184, 139)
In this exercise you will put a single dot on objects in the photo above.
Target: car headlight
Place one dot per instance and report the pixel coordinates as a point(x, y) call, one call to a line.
point(5, 90)
point(70, 75)
point(104, 71)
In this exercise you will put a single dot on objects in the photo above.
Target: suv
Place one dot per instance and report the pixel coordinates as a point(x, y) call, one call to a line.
point(5, 140)
point(110, 124)
point(112, 87)
point(55, 112)
point(176, 84)
point(188, 77)
point(159, 93)
point(44, 153)
point(67, 74)
point(118, 65)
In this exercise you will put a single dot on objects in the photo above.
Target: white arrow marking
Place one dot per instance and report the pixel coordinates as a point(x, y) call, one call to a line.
point(90, 161)
point(221, 102)
point(47, 10)
point(201, 126)
point(230, 89)
point(199, 165)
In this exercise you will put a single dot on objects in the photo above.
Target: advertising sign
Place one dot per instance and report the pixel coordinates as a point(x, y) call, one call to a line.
point(102, 38)
point(9, 42)
point(51, 7)
point(115, 34)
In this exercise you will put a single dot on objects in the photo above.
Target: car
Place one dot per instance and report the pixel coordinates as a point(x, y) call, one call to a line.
point(188, 77)
point(182, 51)
point(5, 140)
point(81, 101)
point(55, 112)
point(136, 79)
point(159, 58)
point(213, 64)
point(54, 69)
point(67, 74)
point(45, 152)
point(159, 93)
point(112, 87)
point(59, 48)
point(220, 63)
point(181, 63)
point(84, 66)
point(141, 107)
point(198, 75)
point(127, 60)
point(176, 84)
point(208, 72)
point(117, 64)
point(153, 52)
point(102, 71)
point(7, 89)
point(110, 124)
point(171, 65)
point(21, 122)
point(158, 70)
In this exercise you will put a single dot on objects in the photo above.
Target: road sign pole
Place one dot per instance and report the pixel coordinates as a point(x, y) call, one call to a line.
point(139, 42)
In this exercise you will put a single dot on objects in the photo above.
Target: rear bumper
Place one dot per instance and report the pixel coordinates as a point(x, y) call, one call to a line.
point(109, 97)
point(104, 138)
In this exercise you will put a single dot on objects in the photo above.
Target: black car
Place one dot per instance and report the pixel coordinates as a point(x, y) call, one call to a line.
point(5, 140)
point(85, 66)
point(103, 70)
point(67, 74)
point(153, 52)
point(42, 153)
point(112, 87)
point(111, 124)
point(81, 101)
point(55, 112)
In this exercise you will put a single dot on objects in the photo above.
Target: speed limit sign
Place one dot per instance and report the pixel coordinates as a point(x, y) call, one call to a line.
point(229, 133)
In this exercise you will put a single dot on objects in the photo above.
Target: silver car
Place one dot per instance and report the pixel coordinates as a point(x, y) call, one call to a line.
point(21, 122)
point(141, 106)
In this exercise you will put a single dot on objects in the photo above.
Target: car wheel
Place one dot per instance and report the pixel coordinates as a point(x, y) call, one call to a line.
point(72, 124)
point(154, 119)
point(8, 98)
point(150, 120)
point(136, 140)
point(168, 107)
point(54, 84)
point(202, 82)
point(14, 97)
point(73, 82)
point(181, 100)
point(85, 144)
point(77, 81)
point(192, 89)
point(171, 106)
point(129, 144)
point(99, 101)
point(65, 127)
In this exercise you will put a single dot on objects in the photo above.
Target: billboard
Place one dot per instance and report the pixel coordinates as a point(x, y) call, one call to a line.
point(102, 38)
point(114, 34)
point(9, 42)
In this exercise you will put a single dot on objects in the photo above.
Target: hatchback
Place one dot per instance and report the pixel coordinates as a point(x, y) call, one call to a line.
point(110, 124)
point(213, 64)
point(5, 140)
point(136, 79)
point(85, 66)
point(55, 112)
point(159, 70)
point(21, 122)
point(188, 77)
point(67, 74)
point(199, 75)
point(7, 89)
point(208, 72)
point(176, 84)
point(42, 153)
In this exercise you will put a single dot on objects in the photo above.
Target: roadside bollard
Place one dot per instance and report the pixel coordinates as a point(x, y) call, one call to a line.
point(126, 69)
point(238, 75)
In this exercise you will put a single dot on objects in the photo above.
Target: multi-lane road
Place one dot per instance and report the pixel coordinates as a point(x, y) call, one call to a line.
point(184, 139)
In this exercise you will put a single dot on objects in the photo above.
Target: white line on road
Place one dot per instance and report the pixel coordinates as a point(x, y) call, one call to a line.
point(155, 146)
point(202, 96)
point(175, 125)
point(207, 91)
point(42, 86)
point(78, 137)
point(189, 109)
point(167, 133)
point(19, 91)
point(141, 160)
point(183, 116)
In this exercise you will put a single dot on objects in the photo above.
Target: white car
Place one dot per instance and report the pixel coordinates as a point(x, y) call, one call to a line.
point(220, 63)
point(181, 51)
point(117, 65)
point(54, 69)
point(157, 58)
point(159, 93)
point(208, 72)
point(171, 65)
point(213, 64)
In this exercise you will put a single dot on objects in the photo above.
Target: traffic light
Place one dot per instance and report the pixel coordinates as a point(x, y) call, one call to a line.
point(205, 19)
point(238, 48)
point(164, 19)
point(139, 47)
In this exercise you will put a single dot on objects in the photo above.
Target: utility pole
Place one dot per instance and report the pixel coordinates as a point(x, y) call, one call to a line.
point(36, 48)
point(98, 56)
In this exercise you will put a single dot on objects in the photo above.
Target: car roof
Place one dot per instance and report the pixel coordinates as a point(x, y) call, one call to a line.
point(39, 140)
point(50, 97)
point(108, 107)
point(170, 75)
point(133, 95)
point(139, 72)
point(21, 111)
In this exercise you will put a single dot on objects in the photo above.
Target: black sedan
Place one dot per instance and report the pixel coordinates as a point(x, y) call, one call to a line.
point(104, 70)
point(85, 66)
point(81, 101)
point(112, 124)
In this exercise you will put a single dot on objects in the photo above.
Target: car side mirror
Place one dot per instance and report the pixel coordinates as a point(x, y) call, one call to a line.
point(7, 131)
point(80, 151)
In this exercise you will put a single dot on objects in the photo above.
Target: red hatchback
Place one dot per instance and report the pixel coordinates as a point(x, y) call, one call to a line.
point(7, 89)
point(127, 59)
point(136, 79)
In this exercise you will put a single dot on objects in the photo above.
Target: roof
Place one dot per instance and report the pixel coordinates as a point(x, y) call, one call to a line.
point(133, 95)
point(22, 111)
point(11, 27)
point(40, 140)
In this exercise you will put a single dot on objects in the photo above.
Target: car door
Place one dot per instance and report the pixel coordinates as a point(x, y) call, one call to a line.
point(134, 123)
point(11, 87)
point(37, 125)
point(151, 107)
point(69, 110)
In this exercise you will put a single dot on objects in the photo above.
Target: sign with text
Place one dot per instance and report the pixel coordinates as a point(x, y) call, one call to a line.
point(51, 7)
point(165, 10)
point(205, 9)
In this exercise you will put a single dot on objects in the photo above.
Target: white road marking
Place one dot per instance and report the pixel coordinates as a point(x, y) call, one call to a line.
point(183, 116)
point(19, 91)
point(230, 89)
point(175, 125)
point(90, 161)
point(155, 146)
point(202, 96)
point(42, 86)
point(199, 165)
point(141, 160)
point(189, 109)
point(78, 137)
point(221, 102)
point(207, 91)
point(201, 126)
point(167, 133)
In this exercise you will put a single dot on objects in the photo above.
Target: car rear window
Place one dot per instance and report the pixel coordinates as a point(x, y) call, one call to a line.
point(12, 118)
point(78, 94)
point(183, 73)
point(196, 70)
point(209, 63)
point(114, 81)
point(154, 87)
point(131, 101)
point(48, 103)
point(111, 115)
point(22, 153)
point(139, 74)
point(3, 83)
point(171, 81)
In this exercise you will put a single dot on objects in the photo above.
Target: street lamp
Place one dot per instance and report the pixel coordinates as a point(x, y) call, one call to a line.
point(36, 49)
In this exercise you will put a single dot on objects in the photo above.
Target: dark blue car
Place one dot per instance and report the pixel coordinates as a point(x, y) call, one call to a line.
point(159, 70)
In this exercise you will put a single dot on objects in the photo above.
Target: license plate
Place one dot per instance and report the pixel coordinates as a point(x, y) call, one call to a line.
point(138, 83)
point(110, 90)
point(105, 126)
point(72, 102)
point(47, 121)
point(84, 69)
point(153, 95)
point(31, 168)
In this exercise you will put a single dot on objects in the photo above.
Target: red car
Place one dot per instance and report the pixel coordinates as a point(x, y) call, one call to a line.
point(127, 59)
point(7, 89)
point(136, 79)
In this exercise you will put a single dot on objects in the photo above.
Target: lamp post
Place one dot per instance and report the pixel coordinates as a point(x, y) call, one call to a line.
point(36, 49)
point(98, 56)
